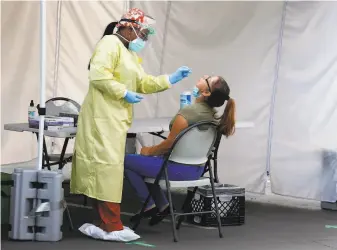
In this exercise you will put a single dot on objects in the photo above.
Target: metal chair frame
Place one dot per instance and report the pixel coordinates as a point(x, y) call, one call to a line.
point(164, 174)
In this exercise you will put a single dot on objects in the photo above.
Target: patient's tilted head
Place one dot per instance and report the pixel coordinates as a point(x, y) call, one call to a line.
point(214, 90)
point(219, 92)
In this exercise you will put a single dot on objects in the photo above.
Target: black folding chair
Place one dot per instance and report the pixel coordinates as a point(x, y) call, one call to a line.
point(193, 146)
point(212, 157)
point(59, 106)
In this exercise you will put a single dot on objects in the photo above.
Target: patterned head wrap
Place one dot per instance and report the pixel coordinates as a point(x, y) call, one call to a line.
point(136, 18)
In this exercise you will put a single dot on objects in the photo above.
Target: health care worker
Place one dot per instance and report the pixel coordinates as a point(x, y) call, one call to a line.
point(116, 76)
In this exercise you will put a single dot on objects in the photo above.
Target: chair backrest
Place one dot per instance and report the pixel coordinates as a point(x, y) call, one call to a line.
point(217, 142)
point(194, 144)
point(61, 105)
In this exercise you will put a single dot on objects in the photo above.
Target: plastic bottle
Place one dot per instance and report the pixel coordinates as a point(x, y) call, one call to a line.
point(185, 99)
point(31, 111)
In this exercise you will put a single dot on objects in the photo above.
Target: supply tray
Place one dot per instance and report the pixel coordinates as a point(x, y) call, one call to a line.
point(75, 116)
point(56, 122)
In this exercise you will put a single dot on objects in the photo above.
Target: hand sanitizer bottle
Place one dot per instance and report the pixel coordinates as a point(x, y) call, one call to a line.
point(31, 111)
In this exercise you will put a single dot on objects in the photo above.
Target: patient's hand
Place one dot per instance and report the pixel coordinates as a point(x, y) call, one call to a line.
point(145, 151)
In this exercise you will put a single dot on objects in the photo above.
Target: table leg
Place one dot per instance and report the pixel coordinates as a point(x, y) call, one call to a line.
point(64, 148)
point(159, 135)
point(46, 154)
point(44, 163)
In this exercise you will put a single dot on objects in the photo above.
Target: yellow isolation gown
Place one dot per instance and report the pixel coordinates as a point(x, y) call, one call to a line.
point(105, 117)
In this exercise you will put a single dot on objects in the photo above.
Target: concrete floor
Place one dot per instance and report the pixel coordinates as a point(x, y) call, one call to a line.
point(272, 222)
point(267, 227)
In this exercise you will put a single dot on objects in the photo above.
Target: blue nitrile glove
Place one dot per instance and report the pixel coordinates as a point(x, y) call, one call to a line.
point(180, 74)
point(132, 97)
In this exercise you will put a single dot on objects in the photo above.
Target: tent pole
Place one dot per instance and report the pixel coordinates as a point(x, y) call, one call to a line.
point(57, 59)
point(42, 109)
point(167, 18)
point(127, 5)
point(274, 91)
point(57, 49)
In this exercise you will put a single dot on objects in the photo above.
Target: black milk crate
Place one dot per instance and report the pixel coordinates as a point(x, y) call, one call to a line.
point(231, 203)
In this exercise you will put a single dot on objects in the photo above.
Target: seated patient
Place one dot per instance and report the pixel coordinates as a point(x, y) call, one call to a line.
point(210, 92)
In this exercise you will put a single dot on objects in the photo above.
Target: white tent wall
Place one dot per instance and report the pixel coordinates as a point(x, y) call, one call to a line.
point(306, 94)
point(20, 67)
point(238, 40)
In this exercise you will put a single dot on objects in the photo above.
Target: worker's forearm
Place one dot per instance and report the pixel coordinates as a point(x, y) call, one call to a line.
point(151, 84)
point(111, 88)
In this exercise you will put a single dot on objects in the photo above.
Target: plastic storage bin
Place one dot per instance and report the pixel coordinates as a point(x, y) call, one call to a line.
point(6, 179)
point(31, 189)
point(231, 203)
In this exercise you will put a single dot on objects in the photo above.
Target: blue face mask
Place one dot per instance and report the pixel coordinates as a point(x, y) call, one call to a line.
point(137, 45)
point(196, 92)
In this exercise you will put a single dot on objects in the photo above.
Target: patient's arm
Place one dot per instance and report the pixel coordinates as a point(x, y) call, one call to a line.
point(179, 124)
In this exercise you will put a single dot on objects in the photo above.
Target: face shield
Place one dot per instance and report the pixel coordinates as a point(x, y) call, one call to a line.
point(142, 25)
point(143, 28)
point(147, 26)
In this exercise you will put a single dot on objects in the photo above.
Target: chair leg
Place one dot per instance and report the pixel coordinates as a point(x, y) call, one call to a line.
point(173, 220)
point(216, 178)
point(187, 201)
point(215, 202)
point(85, 200)
point(64, 148)
point(69, 216)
